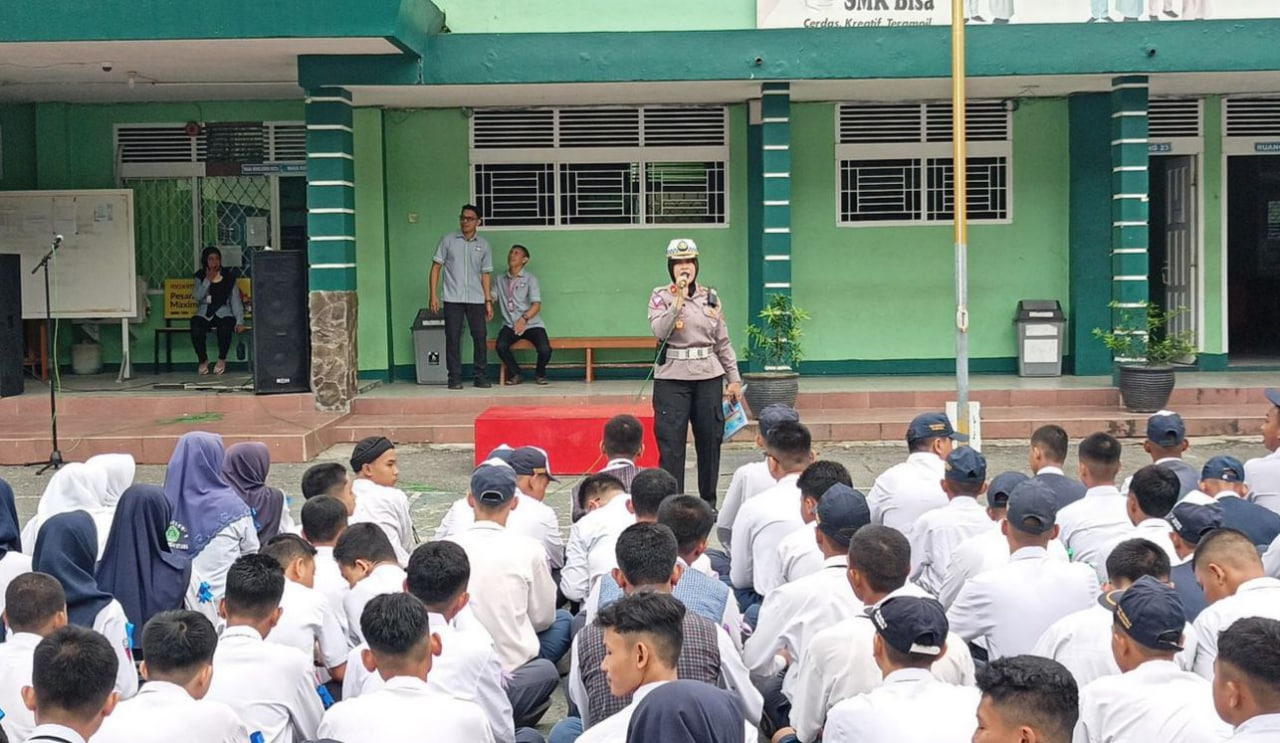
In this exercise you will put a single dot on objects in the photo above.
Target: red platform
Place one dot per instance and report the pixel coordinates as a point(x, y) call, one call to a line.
point(570, 435)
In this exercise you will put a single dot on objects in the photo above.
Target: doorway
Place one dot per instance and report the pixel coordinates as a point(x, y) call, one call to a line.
point(1173, 242)
point(1253, 259)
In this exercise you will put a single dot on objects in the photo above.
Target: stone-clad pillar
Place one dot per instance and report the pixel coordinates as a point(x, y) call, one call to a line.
point(331, 247)
point(1130, 203)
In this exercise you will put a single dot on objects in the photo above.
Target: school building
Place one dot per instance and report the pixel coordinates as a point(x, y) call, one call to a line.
point(1108, 160)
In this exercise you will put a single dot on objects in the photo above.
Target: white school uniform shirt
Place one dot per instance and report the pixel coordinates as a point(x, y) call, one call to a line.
point(272, 688)
point(238, 538)
point(389, 509)
point(614, 729)
point(837, 664)
point(1263, 476)
point(15, 672)
point(307, 622)
point(799, 554)
point(12, 565)
point(937, 534)
point(1151, 529)
point(761, 525)
point(467, 668)
point(1271, 559)
point(730, 619)
point(385, 578)
point(794, 613)
point(332, 585)
point(512, 593)
point(1259, 597)
point(911, 706)
point(1082, 642)
point(592, 542)
point(987, 551)
point(1011, 607)
point(905, 491)
point(1260, 729)
point(749, 480)
point(55, 734)
point(112, 624)
point(1157, 701)
point(532, 518)
point(1093, 524)
point(405, 710)
point(162, 709)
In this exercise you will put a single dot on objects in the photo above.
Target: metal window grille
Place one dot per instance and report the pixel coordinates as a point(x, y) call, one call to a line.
point(988, 192)
point(1253, 117)
point(513, 195)
point(880, 190)
point(682, 193)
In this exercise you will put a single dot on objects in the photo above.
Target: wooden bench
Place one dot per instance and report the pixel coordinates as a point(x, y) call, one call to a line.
point(590, 345)
point(180, 304)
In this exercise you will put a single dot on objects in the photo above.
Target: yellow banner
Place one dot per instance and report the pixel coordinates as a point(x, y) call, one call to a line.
point(180, 300)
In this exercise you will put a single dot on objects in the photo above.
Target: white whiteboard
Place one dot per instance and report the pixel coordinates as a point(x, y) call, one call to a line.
point(93, 273)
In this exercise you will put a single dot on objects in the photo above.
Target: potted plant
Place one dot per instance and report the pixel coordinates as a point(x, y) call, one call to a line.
point(1145, 352)
point(774, 343)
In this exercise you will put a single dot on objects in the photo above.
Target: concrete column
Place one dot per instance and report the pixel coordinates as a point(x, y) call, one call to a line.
point(331, 249)
point(1129, 196)
point(770, 269)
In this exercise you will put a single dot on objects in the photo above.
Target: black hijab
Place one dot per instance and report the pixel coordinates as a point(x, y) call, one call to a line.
point(10, 532)
point(687, 712)
point(67, 549)
point(219, 293)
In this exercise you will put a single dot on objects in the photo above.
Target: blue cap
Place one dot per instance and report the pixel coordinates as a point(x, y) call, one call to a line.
point(1150, 612)
point(1001, 486)
point(1166, 429)
point(1273, 396)
point(1033, 508)
point(932, 426)
point(1192, 521)
point(502, 451)
point(774, 414)
point(966, 464)
point(530, 460)
point(493, 483)
point(910, 624)
point(841, 512)
point(1223, 467)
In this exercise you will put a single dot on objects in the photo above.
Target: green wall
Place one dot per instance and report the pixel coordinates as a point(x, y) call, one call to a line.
point(594, 281)
point(530, 16)
point(880, 293)
point(1212, 265)
point(18, 137)
point(371, 241)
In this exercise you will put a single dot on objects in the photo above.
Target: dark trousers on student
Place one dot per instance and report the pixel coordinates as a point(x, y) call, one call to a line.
point(676, 404)
point(541, 343)
point(454, 313)
point(225, 327)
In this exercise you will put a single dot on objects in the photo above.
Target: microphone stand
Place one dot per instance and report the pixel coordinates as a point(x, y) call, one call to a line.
point(55, 457)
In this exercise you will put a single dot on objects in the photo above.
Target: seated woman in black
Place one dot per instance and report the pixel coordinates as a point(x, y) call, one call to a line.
point(219, 307)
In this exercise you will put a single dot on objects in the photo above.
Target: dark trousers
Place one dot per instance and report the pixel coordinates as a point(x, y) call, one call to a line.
point(537, 336)
point(200, 327)
point(454, 312)
point(530, 689)
point(676, 404)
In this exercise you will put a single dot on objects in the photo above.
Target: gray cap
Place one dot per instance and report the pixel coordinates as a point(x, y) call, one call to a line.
point(774, 414)
point(1033, 508)
point(841, 512)
point(493, 483)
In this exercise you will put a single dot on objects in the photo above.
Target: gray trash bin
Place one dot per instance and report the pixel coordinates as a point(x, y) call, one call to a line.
point(428, 347)
point(1040, 337)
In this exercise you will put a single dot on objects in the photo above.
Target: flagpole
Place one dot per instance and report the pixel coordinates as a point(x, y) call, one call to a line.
point(961, 202)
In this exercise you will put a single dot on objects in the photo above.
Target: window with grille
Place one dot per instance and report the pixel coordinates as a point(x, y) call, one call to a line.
point(606, 166)
point(895, 165)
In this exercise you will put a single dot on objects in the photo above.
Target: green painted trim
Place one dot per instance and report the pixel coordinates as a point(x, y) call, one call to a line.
point(359, 69)
point(332, 279)
point(1090, 238)
point(386, 254)
point(1212, 362)
point(874, 367)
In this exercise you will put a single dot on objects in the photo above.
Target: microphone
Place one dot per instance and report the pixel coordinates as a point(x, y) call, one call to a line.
point(682, 282)
point(57, 240)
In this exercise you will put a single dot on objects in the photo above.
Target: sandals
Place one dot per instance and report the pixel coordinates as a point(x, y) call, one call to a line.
point(203, 369)
point(220, 367)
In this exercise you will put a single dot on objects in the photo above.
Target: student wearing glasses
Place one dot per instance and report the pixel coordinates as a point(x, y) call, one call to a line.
point(467, 264)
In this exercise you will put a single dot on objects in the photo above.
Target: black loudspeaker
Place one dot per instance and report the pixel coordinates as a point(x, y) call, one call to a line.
point(281, 323)
point(10, 325)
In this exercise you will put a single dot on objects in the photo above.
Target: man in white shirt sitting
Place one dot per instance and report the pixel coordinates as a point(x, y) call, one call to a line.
point(406, 709)
point(798, 553)
point(1098, 520)
point(1153, 492)
point(307, 621)
point(368, 562)
point(1153, 699)
point(937, 533)
point(1230, 571)
point(378, 500)
point(764, 520)
point(1007, 609)
point(1026, 699)
point(905, 491)
point(178, 647)
point(1246, 689)
point(589, 555)
point(1222, 483)
point(35, 607)
point(752, 478)
point(1188, 523)
point(323, 521)
point(272, 688)
point(1263, 473)
point(331, 479)
point(621, 445)
point(73, 679)
point(838, 663)
point(911, 706)
point(1048, 453)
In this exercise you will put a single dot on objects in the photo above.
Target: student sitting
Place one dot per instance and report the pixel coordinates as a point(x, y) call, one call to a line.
point(1248, 666)
point(367, 560)
point(378, 500)
point(406, 709)
point(622, 445)
point(73, 672)
point(307, 621)
point(1026, 698)
point(331, 479)
point(178, 669)
point(754, 477)
point(35, 607)
point(323, 520)
point(589, 555)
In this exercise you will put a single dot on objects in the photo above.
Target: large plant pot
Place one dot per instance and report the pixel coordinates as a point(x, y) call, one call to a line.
point(763, 389)
point(1145, 389)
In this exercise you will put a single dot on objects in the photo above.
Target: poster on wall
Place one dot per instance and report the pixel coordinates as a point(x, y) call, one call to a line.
point(888, 13)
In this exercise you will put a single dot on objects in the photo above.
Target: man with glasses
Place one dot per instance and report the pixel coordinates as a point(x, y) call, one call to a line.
point(468, 265)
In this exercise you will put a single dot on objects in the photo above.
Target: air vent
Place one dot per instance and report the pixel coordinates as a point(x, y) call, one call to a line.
point(599, 127)
point(1253, 117)
point(496, 129)
point(159, 143)
point(1173, 117)
point(684, 127)
point(288, 142)
point(987, 121)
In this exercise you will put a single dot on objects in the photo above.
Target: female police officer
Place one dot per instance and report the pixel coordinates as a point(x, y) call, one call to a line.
point(695, 360)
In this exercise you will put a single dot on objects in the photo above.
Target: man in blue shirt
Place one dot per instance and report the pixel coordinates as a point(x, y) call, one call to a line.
point(467, 263)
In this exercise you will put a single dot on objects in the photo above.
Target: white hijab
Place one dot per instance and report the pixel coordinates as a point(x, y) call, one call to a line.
point(120, 469)
point(77, 486)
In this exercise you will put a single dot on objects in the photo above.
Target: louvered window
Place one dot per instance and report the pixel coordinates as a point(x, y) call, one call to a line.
point(584, 167)
point(895, 164)
point(242, 142)
point(1171, 118)
point(1253, 117)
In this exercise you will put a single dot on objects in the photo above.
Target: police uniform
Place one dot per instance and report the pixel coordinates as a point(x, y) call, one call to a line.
point(693, 365)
